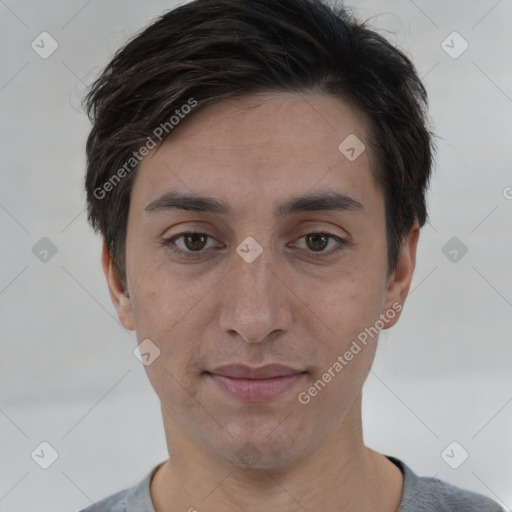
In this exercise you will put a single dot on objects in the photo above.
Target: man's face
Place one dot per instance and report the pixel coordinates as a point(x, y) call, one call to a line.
point(300, 303)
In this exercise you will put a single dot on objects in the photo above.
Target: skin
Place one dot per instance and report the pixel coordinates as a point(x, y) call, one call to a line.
point(254, 152)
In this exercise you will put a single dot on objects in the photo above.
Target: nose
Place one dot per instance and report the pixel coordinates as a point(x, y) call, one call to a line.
point(256, 305)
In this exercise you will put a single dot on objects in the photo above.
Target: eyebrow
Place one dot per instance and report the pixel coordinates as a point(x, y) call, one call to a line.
point(320, 201)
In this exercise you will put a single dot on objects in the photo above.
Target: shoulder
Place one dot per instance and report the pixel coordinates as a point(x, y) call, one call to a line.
point(428, 494)
point(114, 503)
point(132, 499)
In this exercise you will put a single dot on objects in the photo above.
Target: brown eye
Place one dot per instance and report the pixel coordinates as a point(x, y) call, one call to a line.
point(195, 241)
point(189, 244)
point(323, 244)
point(317, 241)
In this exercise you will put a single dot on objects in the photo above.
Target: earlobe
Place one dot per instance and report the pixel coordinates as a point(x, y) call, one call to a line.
point(118, 293)
point(400, 280)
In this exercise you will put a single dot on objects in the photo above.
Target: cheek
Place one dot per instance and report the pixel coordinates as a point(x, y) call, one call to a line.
point(167, 317)
point(343, 328)
point(346, 338)
point(151, 289)
point(340, 308)
point(168, 308)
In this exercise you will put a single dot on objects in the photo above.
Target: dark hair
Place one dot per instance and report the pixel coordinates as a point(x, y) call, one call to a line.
point(209, 50)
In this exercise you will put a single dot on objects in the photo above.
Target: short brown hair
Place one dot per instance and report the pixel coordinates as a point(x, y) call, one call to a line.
point(209, 50)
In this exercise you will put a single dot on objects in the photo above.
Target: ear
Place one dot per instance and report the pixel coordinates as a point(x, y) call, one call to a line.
point(118, 294)
point(399, 281)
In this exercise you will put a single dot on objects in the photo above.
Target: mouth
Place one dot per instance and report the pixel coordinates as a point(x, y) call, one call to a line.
point(253, 385)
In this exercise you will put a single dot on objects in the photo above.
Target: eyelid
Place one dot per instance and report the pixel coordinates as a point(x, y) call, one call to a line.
point(169, 243)
point(341, 244)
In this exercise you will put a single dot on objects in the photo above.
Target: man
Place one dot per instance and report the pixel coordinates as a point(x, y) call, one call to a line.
point(258, 170)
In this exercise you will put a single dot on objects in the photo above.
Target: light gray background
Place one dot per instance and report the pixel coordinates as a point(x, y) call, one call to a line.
point(68, 374)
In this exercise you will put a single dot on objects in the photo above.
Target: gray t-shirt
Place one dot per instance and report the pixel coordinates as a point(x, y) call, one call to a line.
point(420, 494)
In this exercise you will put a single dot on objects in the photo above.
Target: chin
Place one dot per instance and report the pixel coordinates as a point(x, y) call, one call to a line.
point(265, 450)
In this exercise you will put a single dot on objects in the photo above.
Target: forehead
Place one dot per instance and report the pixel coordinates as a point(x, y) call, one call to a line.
point(257, 147)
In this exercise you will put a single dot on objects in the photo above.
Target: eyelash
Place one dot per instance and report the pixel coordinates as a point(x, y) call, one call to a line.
point(169, 242)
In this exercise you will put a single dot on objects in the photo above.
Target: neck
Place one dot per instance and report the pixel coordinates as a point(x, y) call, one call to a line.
point(341, 475)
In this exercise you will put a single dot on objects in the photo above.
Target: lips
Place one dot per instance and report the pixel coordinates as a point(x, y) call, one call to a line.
point(253, 385)
point(241, 371)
